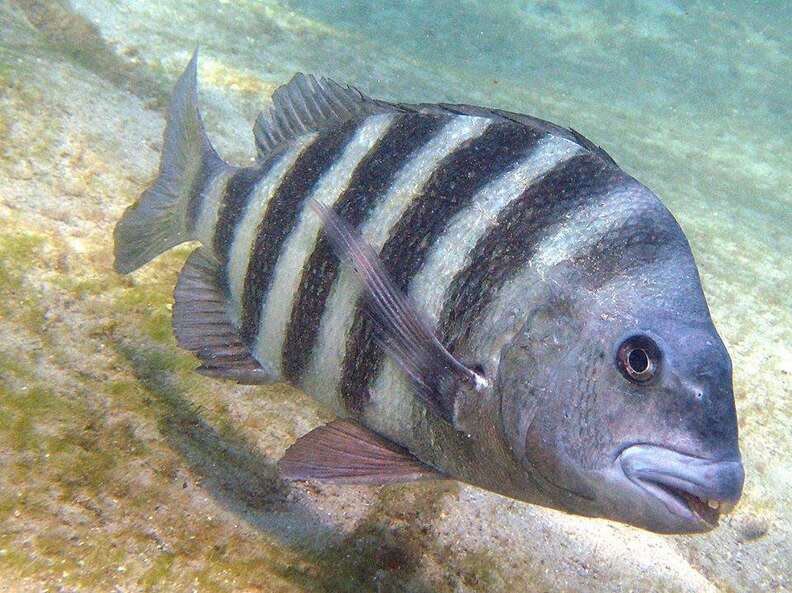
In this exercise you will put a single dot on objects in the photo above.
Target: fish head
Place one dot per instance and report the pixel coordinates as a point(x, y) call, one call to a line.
point(618, 402)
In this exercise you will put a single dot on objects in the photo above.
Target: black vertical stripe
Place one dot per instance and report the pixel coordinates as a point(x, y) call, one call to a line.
point(648, 235)
point(281, 217)
point(370, 181)
point(519, 228)
point(448, 191)
point(239, 189)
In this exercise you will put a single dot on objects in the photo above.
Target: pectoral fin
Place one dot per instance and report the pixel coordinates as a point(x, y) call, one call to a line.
point(403, 331)
point(344, 452)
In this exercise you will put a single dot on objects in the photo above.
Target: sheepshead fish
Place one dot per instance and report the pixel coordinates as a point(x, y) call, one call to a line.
point(479, 295)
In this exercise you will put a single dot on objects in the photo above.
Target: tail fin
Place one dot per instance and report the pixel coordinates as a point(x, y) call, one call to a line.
point(159, 220)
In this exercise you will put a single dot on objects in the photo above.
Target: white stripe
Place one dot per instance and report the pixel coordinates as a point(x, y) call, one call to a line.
point(451, 253)
point(323, 375)
point(211, 197)
point(277, 305)
point(584, 227)
point(245, 234)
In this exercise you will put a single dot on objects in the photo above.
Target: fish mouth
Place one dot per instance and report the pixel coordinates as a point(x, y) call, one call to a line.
point(695, 491)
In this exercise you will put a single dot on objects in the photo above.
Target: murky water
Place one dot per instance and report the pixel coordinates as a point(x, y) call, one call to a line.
point(122, 470)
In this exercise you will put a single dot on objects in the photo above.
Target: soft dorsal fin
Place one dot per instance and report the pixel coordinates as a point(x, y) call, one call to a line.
point(201, 324)
point(519, 118)
point(308, 104)
point(345, 452)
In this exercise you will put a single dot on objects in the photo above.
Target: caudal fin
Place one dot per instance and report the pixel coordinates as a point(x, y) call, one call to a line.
point(159, 220)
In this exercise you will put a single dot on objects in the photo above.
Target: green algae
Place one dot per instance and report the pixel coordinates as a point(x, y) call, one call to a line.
point(74, 459)
point(159, 573)
point(85, 460)
point(26, 405)
point(150, 301)
point(20, 254)
point(22, 410)
point(61, 437)
point(18, 250)
point(62, 441)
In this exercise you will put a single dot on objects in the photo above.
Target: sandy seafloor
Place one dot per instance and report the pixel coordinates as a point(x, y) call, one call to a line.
point(121, 470)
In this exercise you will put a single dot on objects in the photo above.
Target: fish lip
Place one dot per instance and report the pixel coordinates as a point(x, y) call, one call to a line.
point(683, 482)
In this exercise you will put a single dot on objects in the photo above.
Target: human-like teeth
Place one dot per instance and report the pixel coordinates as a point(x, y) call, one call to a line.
point(713, 504)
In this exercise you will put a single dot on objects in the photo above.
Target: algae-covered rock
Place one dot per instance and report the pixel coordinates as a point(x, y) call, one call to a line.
point(122, 470)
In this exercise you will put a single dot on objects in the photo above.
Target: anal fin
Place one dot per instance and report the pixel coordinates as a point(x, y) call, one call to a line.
point(201, 324)
point(344, 452)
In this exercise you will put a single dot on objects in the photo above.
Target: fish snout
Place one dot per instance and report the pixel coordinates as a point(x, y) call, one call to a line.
point(693, 488)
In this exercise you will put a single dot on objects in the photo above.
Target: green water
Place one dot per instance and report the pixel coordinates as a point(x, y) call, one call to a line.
point(120, 469)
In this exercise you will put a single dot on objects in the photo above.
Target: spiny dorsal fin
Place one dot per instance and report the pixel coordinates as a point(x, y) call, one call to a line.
point(307, 104)
point(201, 324)
point(344, 452)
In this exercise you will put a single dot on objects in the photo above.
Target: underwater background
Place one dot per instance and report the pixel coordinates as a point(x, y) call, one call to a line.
point(122, 470)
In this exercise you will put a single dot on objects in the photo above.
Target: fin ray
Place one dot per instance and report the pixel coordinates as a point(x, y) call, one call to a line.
point(159, 219)
point(201, 324)
point(403, 331)
point(345, 452)
point(307, 104)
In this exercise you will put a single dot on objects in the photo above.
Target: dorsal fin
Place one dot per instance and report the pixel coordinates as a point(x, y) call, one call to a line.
point(519, 118)
point(308, 104)
point(201, 324)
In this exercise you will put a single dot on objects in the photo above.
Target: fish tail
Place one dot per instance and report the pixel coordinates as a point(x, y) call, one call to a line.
point(163, 217)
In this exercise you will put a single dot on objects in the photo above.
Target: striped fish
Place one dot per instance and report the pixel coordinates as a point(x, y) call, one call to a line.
point(477, 294)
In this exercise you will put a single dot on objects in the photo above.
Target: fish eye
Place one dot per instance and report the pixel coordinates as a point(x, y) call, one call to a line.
point(638, 358)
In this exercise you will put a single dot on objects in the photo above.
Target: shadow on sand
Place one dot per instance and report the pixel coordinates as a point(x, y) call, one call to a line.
point(374, 557)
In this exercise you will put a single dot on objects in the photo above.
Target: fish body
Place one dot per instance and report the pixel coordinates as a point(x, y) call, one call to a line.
point(478, 293)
